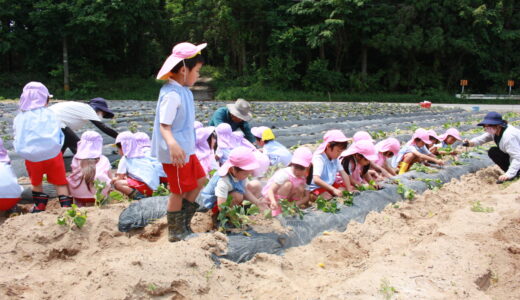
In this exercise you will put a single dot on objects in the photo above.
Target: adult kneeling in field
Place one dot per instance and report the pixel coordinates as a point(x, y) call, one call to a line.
point(237, 115)
point(74, 115)
point(507, 138)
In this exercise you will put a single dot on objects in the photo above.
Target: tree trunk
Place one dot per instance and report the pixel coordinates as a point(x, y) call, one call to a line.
point(66, 86)
point(364, 54)
point(322, 52)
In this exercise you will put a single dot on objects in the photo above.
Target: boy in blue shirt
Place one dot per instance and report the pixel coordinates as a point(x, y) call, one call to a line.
point(173, 139)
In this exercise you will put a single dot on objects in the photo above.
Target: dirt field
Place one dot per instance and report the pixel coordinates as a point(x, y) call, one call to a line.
point(435, 247)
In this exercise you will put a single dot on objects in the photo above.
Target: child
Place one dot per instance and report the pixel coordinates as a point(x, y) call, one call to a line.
point(289, 183)
point(414, 151)
point(238, 140)
point(225, 142)
point(10, 190)
point(143, 144)
point(386, 149)
point(173, 139)
point(205, 148)
point(447, 139)
point(38, 139)
point(277, 153)
point(88, 165)
point(136, 176)
point(231, 180)
point(356, 161)
point(435, 141)
point(362, 135)
point(326, 165)
point(257, 133)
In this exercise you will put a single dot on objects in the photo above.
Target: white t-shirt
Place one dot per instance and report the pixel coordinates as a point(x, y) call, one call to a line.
point(169, 106)
point(74, 114)
point(224, 187)
point(318, 163)
point(121, 167)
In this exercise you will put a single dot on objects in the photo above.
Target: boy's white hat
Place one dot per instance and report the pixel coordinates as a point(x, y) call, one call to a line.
point(179, 52)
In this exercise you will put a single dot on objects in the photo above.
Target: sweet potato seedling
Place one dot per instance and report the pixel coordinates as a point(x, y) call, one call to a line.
point(477, 207)
point(290, 209)
point(404, 191)
point(161, 191)
point(73, 216)
point(328, 206)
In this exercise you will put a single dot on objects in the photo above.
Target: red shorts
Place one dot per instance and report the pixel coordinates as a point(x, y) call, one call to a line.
point(7, 203)
point(184, 179)
point(84, 201)
point(54, 168)
point(140, 186)
point(336, 184)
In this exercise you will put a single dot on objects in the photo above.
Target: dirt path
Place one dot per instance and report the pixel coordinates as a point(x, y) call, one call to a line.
point(435, 247)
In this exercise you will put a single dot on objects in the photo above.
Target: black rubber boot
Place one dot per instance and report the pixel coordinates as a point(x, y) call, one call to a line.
point(65, 201)
point(189, 209)
point(40, 201)
point(136, 195)
point(176, 228)
point(14, 211)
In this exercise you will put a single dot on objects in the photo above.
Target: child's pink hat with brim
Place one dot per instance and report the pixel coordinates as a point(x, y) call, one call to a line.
point(302, 156)
point(453, 132)
point(333, 135)
point(240, 157)
point(389, 144)
point(257, 131)
point(4, 157)
point(179, 52)
point(129, 145)
point(225, 137)
point(421, 134)
point(363, 147)
point(197, 124)
point(90, 145)
point(34, 96)
point(142, 139)
point(432, 133)
point(362, 135)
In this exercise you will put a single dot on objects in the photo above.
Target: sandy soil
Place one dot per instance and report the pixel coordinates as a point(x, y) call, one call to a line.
point(435, 247)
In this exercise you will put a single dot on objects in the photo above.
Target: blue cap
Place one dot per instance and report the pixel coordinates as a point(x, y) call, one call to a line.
point(101, 104)
point(492, 118)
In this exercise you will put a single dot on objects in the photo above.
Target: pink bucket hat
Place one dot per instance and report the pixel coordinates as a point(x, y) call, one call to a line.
point(334, 135)
point(90, 145)
point(241, 157)
point(257, 131)
point(225, 138)
point(363, 147)
point(34, 96)
point(432, 133)
point(129, 145)
point(197, 125)
point(179, 53)
point(202, 149)
point(302, 156)
point(389, 144)
point(453, 132)
point(142, 139)
point(422, 134)
point(3, 153)
point(362, 135)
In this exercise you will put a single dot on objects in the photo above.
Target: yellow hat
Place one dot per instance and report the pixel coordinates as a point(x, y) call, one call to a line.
point(268, 135)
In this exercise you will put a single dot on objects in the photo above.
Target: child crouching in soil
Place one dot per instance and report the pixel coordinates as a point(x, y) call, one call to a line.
point(290, 183)
point(326, 165)
point(356, 161)
point(231, 180)
point(415, 151)
point(87, 166)
point(10, 190)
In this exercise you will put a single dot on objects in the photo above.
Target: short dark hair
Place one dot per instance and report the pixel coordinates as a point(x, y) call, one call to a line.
point(190, 63)
point(342, 145)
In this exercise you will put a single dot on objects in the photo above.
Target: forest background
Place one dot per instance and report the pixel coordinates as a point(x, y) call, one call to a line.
point(339, 50)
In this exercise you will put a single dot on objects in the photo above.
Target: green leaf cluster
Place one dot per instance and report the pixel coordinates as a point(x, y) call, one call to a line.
point(73, 216)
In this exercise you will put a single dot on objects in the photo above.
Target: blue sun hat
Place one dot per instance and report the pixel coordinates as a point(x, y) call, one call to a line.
point(101, 104)
point(492, 118)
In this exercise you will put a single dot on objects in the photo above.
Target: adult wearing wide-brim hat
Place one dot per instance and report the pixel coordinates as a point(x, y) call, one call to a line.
point(506, 154)
point(237, 115)
point(75, 115)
